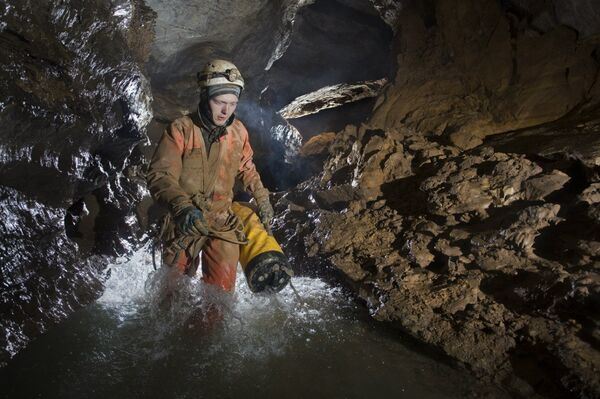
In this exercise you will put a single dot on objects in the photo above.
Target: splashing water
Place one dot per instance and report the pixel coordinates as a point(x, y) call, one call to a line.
point(250, 325)
point(154, 334)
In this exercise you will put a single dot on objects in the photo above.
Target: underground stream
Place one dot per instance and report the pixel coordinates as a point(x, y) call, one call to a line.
point(311, 342)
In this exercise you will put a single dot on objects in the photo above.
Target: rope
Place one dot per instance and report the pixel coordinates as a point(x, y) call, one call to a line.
point(295, 291)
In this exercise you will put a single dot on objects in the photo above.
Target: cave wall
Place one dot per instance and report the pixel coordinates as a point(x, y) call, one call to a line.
point(492, 257)
point(471, 193)
point(74, 102)
point(469, 69)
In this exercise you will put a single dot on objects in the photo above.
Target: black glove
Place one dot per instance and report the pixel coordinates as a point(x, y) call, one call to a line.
point(191, 221)
point(265, 212)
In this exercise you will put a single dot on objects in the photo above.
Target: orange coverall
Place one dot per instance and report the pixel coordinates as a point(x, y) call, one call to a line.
point(181, 172)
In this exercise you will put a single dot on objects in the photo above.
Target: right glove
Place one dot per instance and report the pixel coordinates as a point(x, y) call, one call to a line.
point(191, 221)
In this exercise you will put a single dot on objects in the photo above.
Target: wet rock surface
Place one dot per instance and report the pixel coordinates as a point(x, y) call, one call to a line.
point(489, 256)
point(73, 105)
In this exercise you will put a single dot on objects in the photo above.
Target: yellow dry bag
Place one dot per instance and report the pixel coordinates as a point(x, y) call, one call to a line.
point(262, 259)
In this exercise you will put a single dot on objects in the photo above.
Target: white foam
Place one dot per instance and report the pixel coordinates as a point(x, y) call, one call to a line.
point(252, 325)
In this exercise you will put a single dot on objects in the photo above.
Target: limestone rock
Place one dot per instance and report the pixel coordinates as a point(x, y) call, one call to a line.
point(389, 11)
point(591, 195)
point(317, 145)
point(478, 71)
point(492, 255)
point(477, 182)
point(538, 188)
point(331, 97)
point(565, 139)
point(456, 248)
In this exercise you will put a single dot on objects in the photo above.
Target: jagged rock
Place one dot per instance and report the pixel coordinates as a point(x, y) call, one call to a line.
point(537, 188)
point(331, 97)
point(289, 137)
point(317, 145)
point(591, 195)
point(417, 251)
point(359, 243)
point(335, 197)
point(343, 154)
point(477, 182)
point(510, 247)
point(565, 139)
point(423, 307)
point(389, 11)
point(452, 247)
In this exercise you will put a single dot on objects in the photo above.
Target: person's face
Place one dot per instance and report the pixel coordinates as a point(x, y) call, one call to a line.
point(222, 107)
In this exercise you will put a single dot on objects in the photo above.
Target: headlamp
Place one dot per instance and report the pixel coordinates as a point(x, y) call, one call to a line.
point(231, 75)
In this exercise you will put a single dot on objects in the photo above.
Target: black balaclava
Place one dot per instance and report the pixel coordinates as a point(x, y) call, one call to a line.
point(210, 131)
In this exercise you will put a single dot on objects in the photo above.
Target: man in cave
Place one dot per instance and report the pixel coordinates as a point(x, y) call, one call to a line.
point(192, 174)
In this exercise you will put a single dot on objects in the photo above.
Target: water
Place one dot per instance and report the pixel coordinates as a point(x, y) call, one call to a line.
point(136, 341)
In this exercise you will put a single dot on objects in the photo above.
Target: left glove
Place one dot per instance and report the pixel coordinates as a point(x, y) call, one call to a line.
point(191, 220)
point(265, 212)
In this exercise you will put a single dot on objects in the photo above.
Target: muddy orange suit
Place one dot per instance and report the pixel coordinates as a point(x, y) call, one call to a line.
point(182, 175)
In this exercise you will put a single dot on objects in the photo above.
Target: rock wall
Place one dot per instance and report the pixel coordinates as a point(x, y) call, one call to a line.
point(490, 256)
point(469, 69)
point(472, 236)
point(73, 104)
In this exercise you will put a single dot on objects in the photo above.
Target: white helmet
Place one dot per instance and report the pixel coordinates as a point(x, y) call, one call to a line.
point(219, 72)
